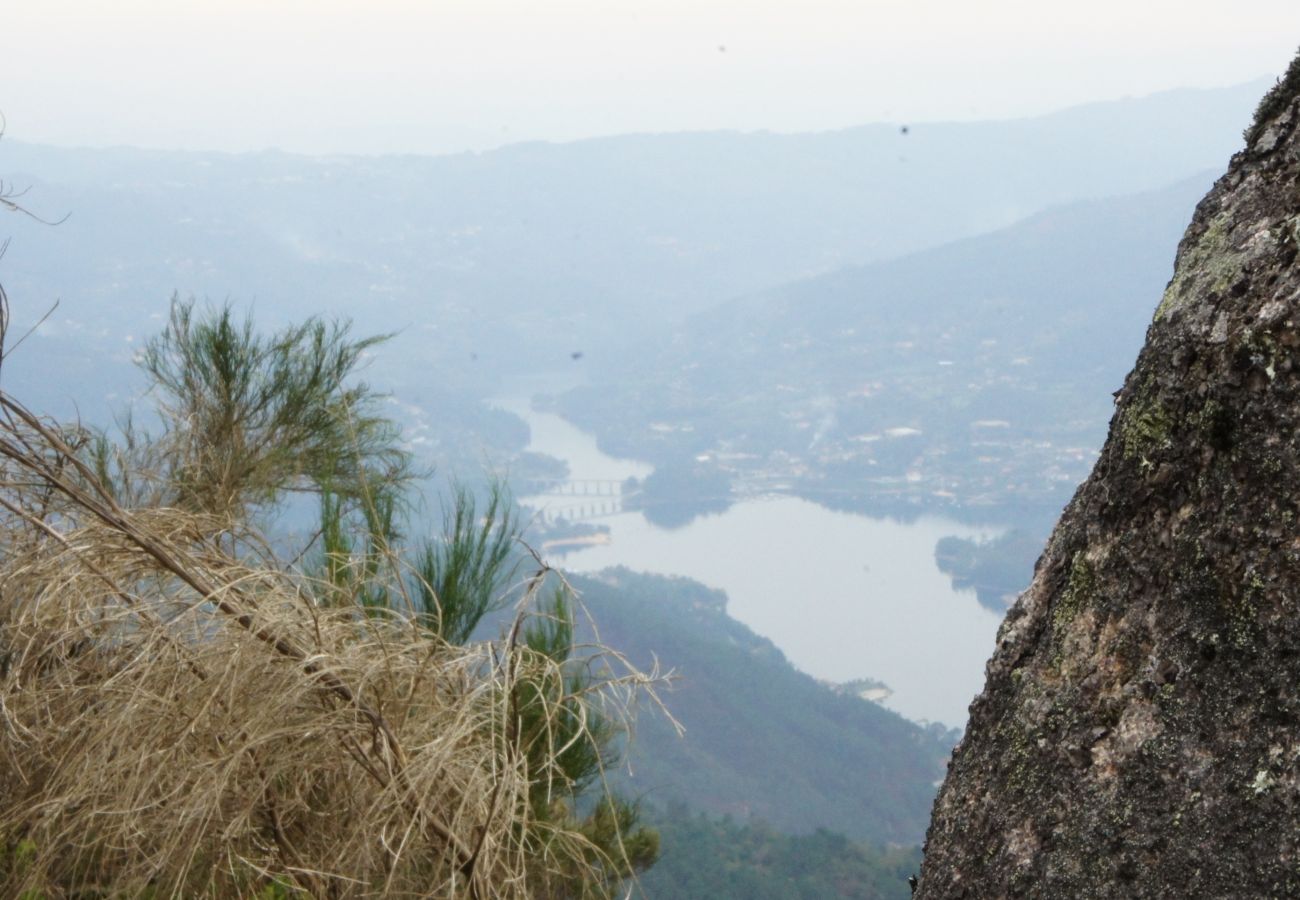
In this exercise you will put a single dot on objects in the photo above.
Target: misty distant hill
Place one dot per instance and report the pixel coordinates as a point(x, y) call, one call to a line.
point(973, 378)
point(495, 263)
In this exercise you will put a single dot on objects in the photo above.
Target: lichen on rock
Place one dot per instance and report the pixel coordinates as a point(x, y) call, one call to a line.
point(1139, 731)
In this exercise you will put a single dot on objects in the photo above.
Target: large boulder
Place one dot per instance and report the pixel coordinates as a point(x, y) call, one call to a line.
point(1139, 731)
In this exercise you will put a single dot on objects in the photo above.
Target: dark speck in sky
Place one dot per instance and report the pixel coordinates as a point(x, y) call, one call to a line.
point(576, 355)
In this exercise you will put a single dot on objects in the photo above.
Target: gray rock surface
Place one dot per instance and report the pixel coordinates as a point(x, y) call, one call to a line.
point(1139, 731)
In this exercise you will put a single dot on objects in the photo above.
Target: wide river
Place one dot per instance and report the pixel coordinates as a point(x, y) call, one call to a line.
point(844, 596)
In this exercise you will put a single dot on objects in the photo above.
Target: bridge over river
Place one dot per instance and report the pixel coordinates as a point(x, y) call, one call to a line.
point(577, 499)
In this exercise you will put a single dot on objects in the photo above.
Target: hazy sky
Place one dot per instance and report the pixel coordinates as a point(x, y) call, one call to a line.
point(443, 75)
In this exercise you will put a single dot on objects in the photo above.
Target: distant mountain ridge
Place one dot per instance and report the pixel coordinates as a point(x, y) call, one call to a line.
point(521, 254)
point(972, 378)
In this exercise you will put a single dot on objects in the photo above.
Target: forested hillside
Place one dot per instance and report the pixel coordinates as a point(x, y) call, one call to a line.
point(762, 739)
point(724, 859)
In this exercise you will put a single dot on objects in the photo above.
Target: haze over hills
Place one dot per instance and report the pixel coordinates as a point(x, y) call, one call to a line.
point(971, 379)
point(511, 259)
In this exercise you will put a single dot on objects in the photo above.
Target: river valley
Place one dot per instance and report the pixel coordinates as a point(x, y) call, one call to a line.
point(844, 596)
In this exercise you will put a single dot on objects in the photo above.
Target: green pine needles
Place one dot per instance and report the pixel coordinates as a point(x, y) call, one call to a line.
point(248, 417)
point(188, 710)
point(463, 573)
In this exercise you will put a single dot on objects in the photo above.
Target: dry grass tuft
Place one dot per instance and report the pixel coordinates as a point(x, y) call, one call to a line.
point(178, 717)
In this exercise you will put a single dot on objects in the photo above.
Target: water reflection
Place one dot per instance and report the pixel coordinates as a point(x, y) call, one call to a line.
point(843, 595)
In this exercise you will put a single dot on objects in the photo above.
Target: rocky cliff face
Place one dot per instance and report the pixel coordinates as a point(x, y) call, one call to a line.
point(1139, 731)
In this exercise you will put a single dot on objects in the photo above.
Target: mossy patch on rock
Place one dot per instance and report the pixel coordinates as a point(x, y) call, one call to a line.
point(1079, 592)
point(1145, 427)
point(1211, 264)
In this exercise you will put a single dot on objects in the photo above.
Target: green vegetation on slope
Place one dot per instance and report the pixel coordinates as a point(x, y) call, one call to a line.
point(762, 739)
point(708, 858)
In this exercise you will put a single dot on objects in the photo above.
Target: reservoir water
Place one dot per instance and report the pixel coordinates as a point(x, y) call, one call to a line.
point(844, 596)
